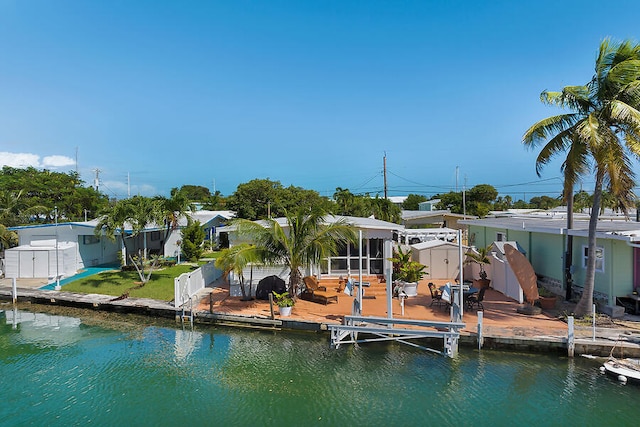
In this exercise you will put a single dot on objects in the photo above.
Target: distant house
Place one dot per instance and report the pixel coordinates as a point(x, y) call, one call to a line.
point(544, 241)
point(48, 250)
point(428, 205)
point(440, 218)
point(78, 247)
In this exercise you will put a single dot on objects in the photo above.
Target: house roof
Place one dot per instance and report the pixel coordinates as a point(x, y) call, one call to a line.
point(364, 223)
point(410, 215)
point(91, 224)
point(204, 216)
point(610, 229)
point(429, 244)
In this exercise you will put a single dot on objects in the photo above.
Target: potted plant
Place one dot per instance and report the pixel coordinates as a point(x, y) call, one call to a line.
point(284, 302)
point(407, 272)
point(481, 257)
point(547, 299)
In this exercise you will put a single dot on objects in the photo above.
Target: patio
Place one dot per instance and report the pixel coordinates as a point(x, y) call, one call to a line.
point(500, 315)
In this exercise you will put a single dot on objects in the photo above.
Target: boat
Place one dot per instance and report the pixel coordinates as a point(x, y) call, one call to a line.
point(625, 370)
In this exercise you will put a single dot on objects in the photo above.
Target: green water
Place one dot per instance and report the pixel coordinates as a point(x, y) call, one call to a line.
point(108, 370)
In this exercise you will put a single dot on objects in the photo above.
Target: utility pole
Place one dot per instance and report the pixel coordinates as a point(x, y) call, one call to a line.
point(128, 186)
point(384, 169)
point(96, 181)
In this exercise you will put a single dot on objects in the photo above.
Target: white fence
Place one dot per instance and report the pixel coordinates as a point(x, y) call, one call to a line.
point(254, 276)
point(188, 284)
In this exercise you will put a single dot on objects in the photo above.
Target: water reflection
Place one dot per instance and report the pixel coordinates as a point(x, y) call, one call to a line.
point(43, 329)
point(102, 369)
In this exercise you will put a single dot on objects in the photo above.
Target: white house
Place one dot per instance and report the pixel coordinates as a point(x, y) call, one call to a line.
point(47, 250)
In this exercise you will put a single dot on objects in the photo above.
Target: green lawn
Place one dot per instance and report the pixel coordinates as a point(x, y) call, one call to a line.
point(116, 283)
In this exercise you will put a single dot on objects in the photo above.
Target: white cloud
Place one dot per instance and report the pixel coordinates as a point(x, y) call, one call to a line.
point(19, 160)
point(25, 160)
point(57, 161)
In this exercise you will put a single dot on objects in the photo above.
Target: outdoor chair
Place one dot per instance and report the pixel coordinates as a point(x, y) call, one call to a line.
point(476, 300)
point(314, 292)
point(436, 295)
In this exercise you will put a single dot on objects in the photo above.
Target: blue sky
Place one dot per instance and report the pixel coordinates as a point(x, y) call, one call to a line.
point(309, 93)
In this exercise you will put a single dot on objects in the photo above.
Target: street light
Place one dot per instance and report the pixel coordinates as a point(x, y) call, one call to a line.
point(57, 287)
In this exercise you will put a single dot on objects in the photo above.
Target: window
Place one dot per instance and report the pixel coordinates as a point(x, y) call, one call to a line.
point(500, 237)
point(599, 258)
point(90, 240)
point(155, 235)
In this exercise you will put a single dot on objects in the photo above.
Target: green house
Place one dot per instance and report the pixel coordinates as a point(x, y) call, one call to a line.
point(545, 241)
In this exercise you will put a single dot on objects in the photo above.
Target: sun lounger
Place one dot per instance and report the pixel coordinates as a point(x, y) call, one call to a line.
point(314, 292)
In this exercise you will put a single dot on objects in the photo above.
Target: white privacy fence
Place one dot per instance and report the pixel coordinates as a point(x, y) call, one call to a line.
point(188, 284)
point(253, 276)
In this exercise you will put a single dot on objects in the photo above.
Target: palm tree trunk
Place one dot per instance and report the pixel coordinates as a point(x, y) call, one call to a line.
point(585, 304)
point(568, 259)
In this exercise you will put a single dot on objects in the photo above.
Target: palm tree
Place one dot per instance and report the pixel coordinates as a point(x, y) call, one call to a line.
point(172, 209)
point(305, 240)
point(138, 212)
point(598, 136)
point(235, 259)
point(8, 238)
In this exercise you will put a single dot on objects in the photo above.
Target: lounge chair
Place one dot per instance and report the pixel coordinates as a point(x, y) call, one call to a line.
point(314, 292)
point(476, 299)
point(436, 295)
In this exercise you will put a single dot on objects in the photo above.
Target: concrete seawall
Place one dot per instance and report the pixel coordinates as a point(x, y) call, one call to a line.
point(524, 341)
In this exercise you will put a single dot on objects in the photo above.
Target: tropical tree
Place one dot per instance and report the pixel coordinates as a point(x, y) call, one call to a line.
point(235, 259)
point(599, 136)
point(8, 238)
point(138, 212)
point(304, 241)
point(412, 202)
point(172, 209)
point(192, 238)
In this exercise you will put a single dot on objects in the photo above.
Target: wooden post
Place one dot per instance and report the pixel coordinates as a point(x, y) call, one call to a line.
point(211, 303)
point(570, 337)
point(14, 288)
point(271, 305)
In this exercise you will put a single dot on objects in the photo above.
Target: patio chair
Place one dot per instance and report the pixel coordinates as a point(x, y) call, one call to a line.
point(476, 299)
point(314, 292)
point(436, 295)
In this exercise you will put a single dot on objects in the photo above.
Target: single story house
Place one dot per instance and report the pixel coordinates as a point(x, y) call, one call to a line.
point(544, 241)
point(48, 250)
point(374, 255)
point(76, 246)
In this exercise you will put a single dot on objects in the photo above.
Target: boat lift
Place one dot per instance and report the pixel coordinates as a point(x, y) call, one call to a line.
point(357, 329)
point(382, 329)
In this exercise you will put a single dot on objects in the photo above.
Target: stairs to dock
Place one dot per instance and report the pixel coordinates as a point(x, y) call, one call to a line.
point(377, 285)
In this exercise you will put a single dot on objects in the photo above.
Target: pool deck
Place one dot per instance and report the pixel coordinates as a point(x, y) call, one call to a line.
point(503, 326)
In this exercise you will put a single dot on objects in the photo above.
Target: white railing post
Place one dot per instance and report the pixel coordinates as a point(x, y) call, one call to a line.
point(570, 337)
point(480, 336)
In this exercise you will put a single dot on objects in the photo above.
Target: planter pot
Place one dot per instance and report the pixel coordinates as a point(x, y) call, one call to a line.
point(285, 311)
point(410, 288)
point(548, 303)
point(481, 283)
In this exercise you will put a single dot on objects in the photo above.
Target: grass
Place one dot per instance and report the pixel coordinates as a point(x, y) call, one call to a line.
point(116, 283)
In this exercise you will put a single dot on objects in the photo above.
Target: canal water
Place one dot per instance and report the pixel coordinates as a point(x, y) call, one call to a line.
point(72, 367)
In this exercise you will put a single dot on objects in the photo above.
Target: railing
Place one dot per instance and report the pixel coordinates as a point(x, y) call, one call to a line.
point(188, 284)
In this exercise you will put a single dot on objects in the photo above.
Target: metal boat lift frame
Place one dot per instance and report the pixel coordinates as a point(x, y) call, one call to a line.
point(382, 329)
